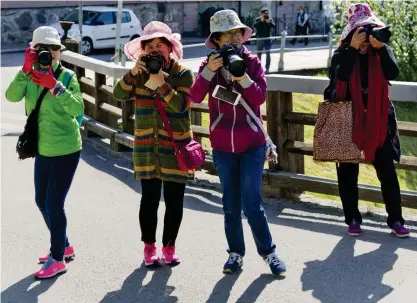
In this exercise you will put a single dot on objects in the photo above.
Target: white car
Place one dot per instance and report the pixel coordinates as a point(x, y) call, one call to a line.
point(99, 27)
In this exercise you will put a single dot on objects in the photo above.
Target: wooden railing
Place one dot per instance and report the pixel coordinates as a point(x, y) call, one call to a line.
point(114, 120)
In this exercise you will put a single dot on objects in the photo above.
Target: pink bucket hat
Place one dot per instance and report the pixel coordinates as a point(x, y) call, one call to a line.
point(155, 29)
point(359, 14)
point(226, 20)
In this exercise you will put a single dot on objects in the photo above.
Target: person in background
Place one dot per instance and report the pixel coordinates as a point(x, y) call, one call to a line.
point(153, 153)
point(301, 26)
point(239, 145)
point(59, 144)
point(263, 27)
point(362, 69)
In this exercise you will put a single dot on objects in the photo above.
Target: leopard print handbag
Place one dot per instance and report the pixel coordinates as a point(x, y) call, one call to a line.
point(332, 140)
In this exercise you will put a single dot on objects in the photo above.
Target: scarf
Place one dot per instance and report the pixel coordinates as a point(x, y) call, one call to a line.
point(370, 123)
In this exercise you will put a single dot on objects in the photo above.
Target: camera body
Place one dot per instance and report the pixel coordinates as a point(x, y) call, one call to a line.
point(266, 17)
point(154, 62)
point(231, 60)
point(44, 56)
point(380, 33)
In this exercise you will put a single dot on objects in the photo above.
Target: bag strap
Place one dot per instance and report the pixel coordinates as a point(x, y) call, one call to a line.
point(164, 118)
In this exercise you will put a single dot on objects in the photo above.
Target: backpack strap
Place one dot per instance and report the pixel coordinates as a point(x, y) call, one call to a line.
point(68, 74)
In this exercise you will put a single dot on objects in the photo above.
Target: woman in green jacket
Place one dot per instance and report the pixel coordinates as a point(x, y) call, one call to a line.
point(59, 144)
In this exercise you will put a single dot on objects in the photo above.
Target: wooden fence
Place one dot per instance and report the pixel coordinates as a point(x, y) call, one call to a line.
point(114, 120)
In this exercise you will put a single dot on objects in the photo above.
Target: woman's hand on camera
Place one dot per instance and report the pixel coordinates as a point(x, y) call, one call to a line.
point(358, 38)
point(140, 67)
point(31, 57)
point(239, 79)
point(375, 43)
point(215, 62)
point(45, 80)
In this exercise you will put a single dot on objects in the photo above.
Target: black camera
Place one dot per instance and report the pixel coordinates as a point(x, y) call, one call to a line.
point(154, 62)
point(44, 56)
point(266, 17)
point(380, 33)
point(231, 60)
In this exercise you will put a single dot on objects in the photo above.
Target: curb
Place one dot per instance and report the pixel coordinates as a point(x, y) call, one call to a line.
point(13, 50)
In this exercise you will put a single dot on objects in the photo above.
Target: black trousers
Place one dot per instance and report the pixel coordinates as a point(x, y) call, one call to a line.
point(148, 213)
point(347, 175)
point(300, 31)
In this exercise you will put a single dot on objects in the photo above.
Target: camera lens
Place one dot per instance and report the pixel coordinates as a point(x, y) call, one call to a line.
point(236, 66)
point(154, 62)
point(45, 57)
point(381, 34)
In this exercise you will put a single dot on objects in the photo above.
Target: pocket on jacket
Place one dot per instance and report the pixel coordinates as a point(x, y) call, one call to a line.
point(216, 122)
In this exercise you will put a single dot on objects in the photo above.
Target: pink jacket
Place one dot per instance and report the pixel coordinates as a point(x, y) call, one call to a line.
point(231, 127)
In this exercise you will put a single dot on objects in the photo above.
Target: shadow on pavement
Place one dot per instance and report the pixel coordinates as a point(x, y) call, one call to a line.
point(344, 277)
point(134, 291)
point(24, 292)
point(222, 289)
point(209, 200)
point(254, 290)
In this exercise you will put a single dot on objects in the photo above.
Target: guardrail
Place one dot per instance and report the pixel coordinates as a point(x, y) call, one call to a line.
point(283, 37)
point(114, 120)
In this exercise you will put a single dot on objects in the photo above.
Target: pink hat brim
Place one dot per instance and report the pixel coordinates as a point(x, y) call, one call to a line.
point(133, 49)
point(246, 36)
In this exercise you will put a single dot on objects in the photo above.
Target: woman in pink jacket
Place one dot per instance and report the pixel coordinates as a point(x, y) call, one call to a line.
point(238, 143)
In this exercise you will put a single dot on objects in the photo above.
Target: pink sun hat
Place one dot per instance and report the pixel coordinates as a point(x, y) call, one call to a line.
point(155, 29)
point(223, 21)
point(360, 14)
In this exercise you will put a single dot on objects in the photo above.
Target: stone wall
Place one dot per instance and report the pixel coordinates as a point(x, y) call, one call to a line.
point(17, 25)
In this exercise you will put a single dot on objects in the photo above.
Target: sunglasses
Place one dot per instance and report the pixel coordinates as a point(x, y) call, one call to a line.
point(52, 46)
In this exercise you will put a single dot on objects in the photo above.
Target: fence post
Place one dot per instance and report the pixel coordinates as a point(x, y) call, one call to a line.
point(100, 97)
point(278, 105)
point(281, 55)
point(329, 60)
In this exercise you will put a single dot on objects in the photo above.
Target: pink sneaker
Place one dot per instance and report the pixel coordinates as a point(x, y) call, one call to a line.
point(151, 259)
point(169, 255)
point(69, 253)
point(51, 268)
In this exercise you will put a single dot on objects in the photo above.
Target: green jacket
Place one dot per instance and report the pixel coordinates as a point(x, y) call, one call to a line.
point(59, 132)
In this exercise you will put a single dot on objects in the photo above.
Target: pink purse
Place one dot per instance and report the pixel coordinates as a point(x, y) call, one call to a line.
point(189, 156)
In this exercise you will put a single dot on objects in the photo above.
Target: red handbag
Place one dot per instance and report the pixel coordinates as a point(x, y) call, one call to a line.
point(189, 156)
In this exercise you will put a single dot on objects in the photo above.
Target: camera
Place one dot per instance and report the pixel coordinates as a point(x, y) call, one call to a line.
point(44, 56)
point(154, 62)
point(266, 17)
point(380, 33)
point(231, 60)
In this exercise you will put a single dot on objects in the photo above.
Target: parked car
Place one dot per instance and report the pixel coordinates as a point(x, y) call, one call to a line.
point(99, 27)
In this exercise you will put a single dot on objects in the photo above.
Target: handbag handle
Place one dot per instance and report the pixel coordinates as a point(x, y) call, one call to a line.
point(167, 126)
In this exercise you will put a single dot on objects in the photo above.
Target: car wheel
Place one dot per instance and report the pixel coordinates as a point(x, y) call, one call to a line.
point(86, 46)
point(134, 37)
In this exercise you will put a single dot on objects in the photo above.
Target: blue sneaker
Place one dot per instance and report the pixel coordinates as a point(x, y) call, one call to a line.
point(277, 266)
point(233, 264)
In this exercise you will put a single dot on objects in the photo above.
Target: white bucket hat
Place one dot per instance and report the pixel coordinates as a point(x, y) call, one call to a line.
point(223, 21)
point(46, 35)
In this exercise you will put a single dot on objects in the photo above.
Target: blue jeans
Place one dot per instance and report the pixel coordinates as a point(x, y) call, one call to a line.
point(260, 45)
point(241, 179)
point(53, 178)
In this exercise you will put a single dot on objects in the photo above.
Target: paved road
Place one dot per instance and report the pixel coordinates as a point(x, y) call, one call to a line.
point(324, 265)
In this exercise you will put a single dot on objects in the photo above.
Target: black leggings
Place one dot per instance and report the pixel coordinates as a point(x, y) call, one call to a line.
point(148, 213)
point(347, 175)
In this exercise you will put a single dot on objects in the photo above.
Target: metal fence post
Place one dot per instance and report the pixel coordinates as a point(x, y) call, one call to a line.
point(281, 55)
point(329, 60)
